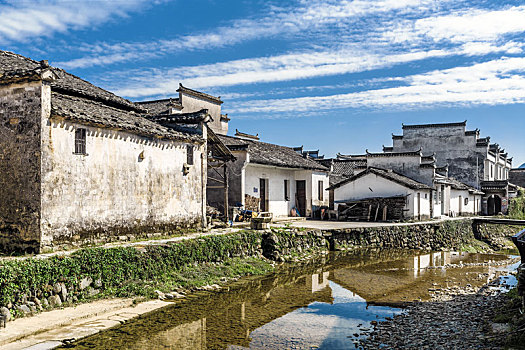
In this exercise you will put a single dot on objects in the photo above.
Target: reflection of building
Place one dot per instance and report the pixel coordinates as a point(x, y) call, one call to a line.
point(187, 336)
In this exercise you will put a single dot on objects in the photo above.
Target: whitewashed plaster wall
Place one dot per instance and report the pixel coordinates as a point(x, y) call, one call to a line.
point(194, 104)
point(372, 185)
point(275, 186)
point(276, 176)
point(110, 188)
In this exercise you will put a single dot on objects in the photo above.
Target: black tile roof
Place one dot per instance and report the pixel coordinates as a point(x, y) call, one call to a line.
point(436, 125)
point(199, 94)
point(76, 99)
point(344, 166)
point(98, 114)
point(66, 83)
point(389, 175)
point(458, 185)
point(271, 154)
point(156, 107)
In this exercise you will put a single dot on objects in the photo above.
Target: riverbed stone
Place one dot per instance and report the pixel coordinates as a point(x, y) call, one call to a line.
point(63, 292)
point(98, 283)
point(57, 287)
point(85, 282)
point(5, 313)
point(23, 309)
point(54, 301)
point(45, 303)
point(91, 292)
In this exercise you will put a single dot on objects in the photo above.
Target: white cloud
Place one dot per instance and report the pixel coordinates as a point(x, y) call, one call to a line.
point(280, 68)
point(495, 82)
point(281, 21)
point(23, 20)
point(266, 69)
point(472, 25)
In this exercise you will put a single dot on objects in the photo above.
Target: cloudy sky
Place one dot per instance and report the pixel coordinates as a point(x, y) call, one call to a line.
point(339, 76)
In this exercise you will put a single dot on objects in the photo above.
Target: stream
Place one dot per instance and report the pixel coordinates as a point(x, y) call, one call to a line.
point(327, 303)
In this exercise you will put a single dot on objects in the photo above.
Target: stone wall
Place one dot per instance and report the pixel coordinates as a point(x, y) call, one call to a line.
point(438, 236)
point(20, 117)
point(125, 185)
point(517, 177)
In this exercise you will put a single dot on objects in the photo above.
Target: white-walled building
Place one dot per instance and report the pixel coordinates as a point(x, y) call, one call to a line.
point(445, 193)
point(82, 165)
point(272, 178)
point(384, 194)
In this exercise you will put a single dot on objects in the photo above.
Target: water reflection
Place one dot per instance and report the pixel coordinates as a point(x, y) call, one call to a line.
point(321, 305)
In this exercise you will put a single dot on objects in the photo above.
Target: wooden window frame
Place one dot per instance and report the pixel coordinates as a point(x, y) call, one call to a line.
point(189, 154)
point(287, 190)
point(80, 141)
point(320, 190)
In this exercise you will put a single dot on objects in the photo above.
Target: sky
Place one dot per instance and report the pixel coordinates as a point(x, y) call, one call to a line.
point(334, 75)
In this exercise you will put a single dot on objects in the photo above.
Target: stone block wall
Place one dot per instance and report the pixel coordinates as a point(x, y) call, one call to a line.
point(438, 236)
point(20, 118)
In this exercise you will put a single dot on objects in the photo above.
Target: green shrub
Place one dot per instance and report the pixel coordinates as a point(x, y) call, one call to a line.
point(122, 270)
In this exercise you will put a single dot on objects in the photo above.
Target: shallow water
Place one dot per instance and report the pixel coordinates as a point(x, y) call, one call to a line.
point(325, 304)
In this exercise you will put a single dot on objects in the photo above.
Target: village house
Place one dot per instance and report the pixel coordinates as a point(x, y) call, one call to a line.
point(470, 159)
point(190, 101)
point(270, 178)
point(80, 164)
point(406, 185)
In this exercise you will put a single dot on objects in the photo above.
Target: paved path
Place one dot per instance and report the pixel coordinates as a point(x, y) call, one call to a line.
point(336, 225)
point(49, 329)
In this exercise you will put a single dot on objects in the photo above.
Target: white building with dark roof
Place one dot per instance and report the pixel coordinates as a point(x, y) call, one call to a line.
point(82, 165)
point(469, 158)
point(271, 178)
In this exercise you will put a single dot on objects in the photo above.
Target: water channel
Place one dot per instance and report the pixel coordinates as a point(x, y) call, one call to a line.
point(327, 303)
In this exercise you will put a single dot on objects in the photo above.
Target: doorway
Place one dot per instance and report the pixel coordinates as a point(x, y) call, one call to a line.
point(300, 196)
point(493, 205)
point(263, 195)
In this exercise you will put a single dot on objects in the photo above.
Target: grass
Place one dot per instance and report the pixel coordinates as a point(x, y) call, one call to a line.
point(475, 246)
point(190, 277)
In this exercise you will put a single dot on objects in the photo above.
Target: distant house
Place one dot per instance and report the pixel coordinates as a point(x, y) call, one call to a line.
point(378, 194)
point(80, 164)
point(272, 178)
point(190, 101)
point(411, 169)
point(470, 159)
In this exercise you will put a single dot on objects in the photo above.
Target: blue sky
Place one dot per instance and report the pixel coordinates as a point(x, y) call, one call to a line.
point(339, 76)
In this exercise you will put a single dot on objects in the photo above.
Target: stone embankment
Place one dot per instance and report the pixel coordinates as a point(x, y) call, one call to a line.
point(28, 286)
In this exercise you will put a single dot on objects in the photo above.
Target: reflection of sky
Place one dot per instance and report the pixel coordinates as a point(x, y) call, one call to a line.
point(321, 325)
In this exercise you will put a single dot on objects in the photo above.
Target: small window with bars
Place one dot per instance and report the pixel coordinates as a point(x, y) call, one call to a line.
point(80, 141)
point(189, 154)
point(286, 190)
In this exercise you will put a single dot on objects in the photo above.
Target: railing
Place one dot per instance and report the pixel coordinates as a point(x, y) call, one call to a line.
point(519, 241)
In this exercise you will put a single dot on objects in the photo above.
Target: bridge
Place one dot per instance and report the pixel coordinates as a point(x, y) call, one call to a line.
point(518, 238)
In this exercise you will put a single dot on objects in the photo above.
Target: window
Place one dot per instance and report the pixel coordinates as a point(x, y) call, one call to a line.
point(320, 190)
point(189, 154)
point(80, 141)
point(466, 201)
point(286, 190)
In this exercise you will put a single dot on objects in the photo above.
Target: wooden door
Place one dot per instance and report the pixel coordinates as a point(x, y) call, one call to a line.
point(300, 196)
point(263, 195)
